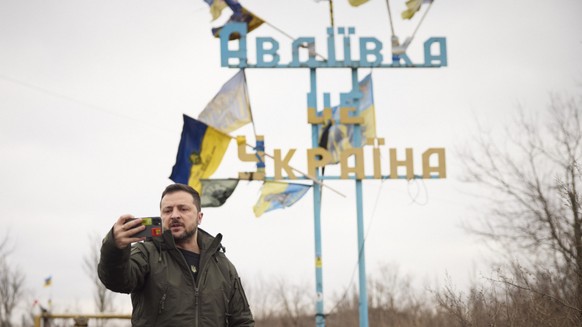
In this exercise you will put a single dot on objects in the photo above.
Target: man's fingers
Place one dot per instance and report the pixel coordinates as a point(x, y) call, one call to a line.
point(124, 229)
point(130, 224)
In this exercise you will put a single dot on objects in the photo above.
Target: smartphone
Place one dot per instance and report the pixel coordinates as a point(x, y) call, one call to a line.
point(153, 227)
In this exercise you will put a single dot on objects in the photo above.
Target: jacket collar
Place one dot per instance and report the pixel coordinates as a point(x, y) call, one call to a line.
point(206, 242)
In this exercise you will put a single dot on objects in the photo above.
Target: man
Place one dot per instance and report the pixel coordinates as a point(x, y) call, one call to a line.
point(179, 279)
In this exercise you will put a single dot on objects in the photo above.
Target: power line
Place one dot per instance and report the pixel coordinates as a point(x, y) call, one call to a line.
point(83, 104)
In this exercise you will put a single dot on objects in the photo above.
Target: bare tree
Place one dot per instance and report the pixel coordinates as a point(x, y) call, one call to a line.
point(102, 296)
point(295, 304)
point(11, 285)
point(532, 179)
point(277, 303)
point(261, 293)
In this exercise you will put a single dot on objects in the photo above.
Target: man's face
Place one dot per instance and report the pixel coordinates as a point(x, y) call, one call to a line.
point(180, 215)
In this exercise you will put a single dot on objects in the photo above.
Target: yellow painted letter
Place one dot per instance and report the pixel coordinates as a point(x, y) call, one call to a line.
point(359, 163)
point(440, 169)
point(317, 157)
point(283, 164)
point(408, 162)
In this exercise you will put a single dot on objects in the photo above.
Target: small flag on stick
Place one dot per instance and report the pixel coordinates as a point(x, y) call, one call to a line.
point(48, 281)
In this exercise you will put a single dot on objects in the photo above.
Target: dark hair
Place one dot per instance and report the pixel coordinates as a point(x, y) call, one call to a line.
point(172, 188)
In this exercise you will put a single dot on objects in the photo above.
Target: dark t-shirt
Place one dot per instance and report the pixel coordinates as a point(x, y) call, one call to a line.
point(193, 261)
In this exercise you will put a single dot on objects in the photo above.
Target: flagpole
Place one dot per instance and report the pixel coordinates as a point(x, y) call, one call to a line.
point(390, 18)
point(331, 13)
point(248, 98)
point(317, 194)
point(420, 22)
point(363, 291)
point(421, 19)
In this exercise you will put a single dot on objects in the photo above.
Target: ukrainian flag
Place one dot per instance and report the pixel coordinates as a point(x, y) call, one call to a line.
point(230, 108)
point(200, 152)
point(241, 16)
point(338, 137)
point(48, 281)
point(216, 7)
point(278, 195)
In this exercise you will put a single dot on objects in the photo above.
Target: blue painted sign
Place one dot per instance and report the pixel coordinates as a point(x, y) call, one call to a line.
point(234, 53)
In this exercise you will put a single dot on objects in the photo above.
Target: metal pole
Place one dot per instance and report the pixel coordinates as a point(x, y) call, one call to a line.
point(319, 314)
point(331, 13)
point(361, 257)
point(363, 308)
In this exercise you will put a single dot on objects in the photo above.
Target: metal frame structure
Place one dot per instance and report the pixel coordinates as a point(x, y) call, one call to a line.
point(267, 57)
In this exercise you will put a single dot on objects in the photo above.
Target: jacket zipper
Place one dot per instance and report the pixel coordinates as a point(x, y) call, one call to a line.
point(200, 273)
point(162, 304)
point(196, 290)
point(196, 294)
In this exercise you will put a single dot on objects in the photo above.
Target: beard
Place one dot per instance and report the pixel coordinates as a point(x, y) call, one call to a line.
point(186, 235)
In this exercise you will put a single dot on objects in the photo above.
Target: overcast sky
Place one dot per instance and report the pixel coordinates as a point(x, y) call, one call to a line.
point(91, 101)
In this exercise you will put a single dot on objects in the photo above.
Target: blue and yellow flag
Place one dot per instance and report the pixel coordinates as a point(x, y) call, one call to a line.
point(216, 7)
point(230, 108)
point(412, 6)
point(356, 3)
point(278, 195)
point(337, 137)
point(240, 15)
point(199, 154)
point(48, 281)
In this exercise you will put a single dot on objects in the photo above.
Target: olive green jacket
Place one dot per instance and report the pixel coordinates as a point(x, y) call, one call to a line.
point(163, 290)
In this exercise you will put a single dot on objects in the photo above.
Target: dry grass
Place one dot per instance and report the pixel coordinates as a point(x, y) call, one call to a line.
point(513, 297)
